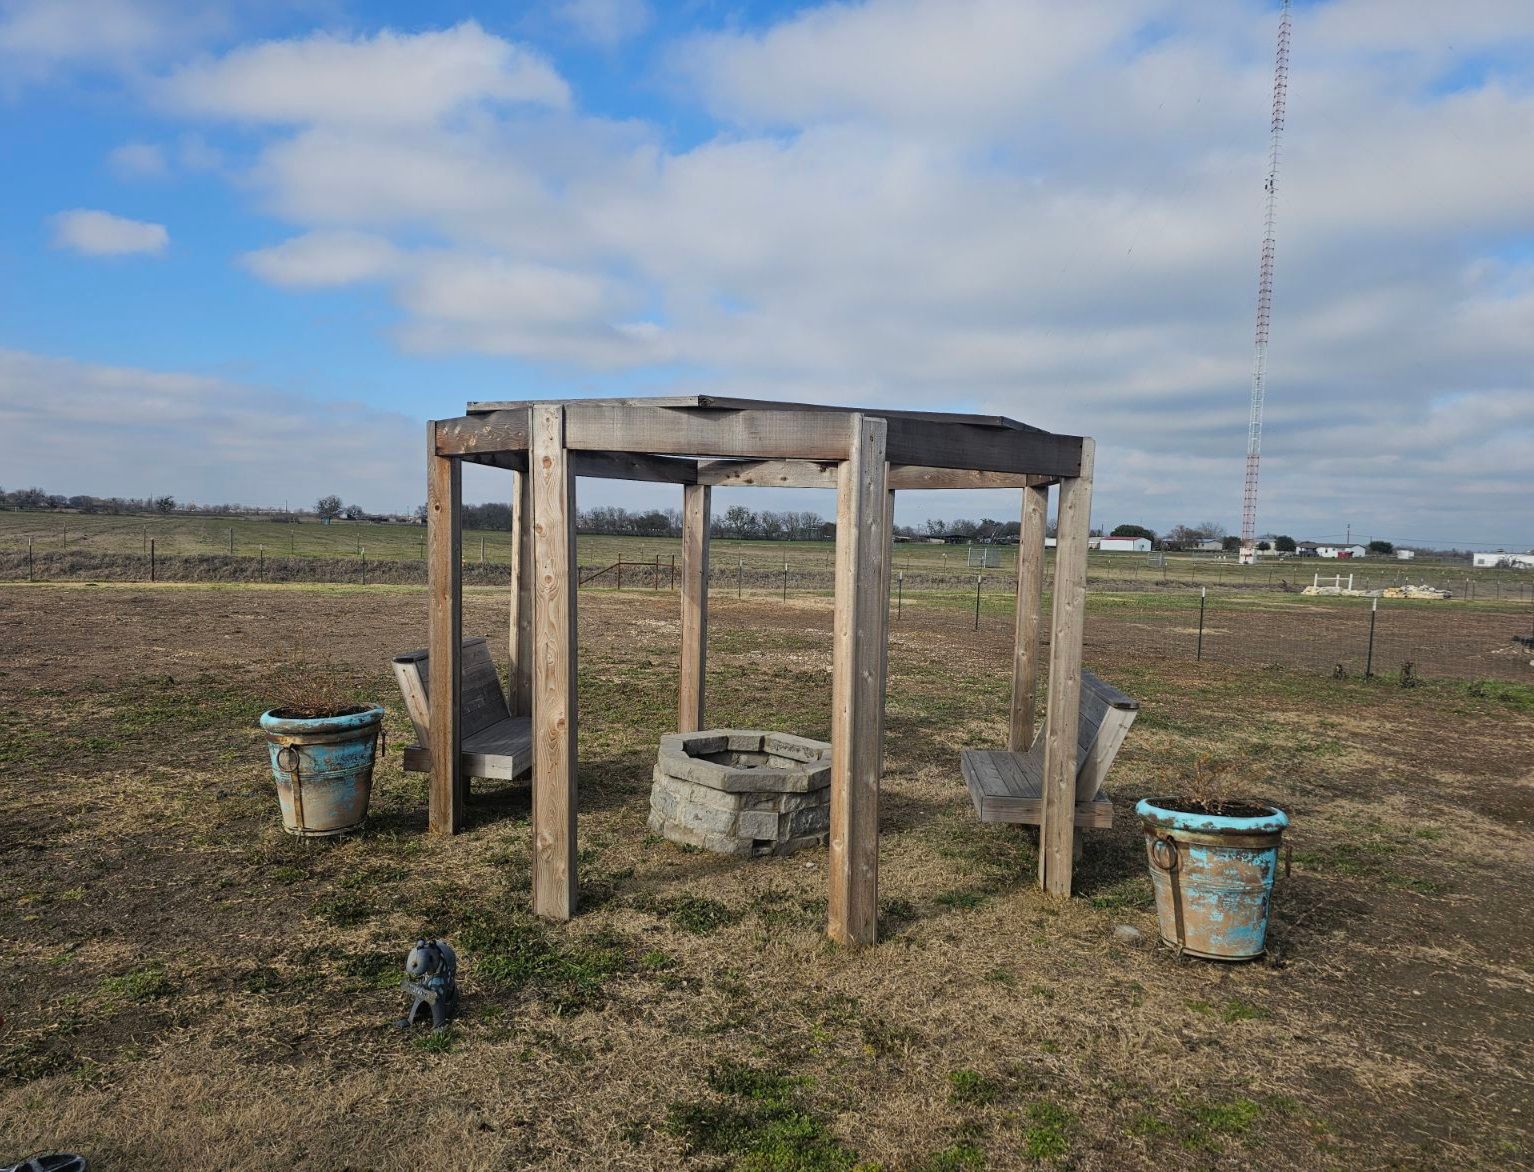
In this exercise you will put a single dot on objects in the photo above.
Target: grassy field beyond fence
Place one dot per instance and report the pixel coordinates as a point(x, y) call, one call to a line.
point(183, 536)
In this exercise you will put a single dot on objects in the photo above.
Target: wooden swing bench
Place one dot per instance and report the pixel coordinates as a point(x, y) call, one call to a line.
point(496, 744)
point(1009, 787)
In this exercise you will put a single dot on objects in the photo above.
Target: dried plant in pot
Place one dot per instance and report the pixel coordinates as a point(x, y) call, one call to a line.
point(322, 743)
point(1213, 858)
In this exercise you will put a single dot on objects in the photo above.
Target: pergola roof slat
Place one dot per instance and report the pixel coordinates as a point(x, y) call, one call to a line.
point(725, 403)
point(779, 431)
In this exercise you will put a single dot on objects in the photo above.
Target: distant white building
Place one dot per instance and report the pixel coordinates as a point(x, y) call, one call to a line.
point(1501, 560)
point(1340, 551)
point(1125, 545)
point(1405, 555)
point(1210, 545)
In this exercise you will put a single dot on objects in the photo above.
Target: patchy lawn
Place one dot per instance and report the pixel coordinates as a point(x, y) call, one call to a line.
point(188, 987)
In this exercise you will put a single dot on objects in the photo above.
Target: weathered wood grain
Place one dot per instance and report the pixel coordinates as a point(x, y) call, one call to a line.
point(1074, 521)
point(554, 667)
point(444, 574)
point(822, 474)
point(860, 636)
point(770, 431)
point(519, 624)
point(1027, 647)
point(725, 403)
point(692, 681)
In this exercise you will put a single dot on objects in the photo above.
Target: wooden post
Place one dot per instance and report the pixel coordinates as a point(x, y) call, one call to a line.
point(1064, 711)
point(690, 686)
point(554, 660)
point(860, 636)
point(444, 588)
point(519, 675)
point(1030, 617)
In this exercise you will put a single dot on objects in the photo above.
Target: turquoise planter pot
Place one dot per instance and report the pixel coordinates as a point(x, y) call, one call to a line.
point(323, 767)
point(1213, 876)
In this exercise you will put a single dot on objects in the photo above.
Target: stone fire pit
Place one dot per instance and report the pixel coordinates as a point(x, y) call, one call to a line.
point(739, 792)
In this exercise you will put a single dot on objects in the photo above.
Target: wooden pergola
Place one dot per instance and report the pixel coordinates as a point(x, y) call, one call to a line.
point(699, 442)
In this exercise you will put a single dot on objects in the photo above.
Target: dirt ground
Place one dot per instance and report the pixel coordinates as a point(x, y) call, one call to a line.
point(188, 987)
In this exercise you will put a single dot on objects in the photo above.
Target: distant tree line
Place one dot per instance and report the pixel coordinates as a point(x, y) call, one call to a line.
point(736, 522)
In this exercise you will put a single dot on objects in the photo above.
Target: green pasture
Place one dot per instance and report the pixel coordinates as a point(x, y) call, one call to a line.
point(54, 532)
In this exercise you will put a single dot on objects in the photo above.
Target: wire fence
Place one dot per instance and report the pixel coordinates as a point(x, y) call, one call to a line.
point(1453, 638)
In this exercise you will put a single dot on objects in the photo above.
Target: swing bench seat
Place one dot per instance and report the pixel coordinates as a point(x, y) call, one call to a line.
point(495, 744)
point(1009, 787)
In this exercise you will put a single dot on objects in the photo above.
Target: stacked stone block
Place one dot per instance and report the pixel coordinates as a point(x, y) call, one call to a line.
point(742, 793)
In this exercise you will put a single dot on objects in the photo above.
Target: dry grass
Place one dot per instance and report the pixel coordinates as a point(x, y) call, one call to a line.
point(190, 987)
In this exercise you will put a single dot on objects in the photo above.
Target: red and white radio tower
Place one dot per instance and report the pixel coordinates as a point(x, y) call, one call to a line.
point(1264, 297)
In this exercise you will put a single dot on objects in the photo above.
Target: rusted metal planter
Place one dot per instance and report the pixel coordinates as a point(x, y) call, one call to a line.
point(1213, 875)
point(323, 767)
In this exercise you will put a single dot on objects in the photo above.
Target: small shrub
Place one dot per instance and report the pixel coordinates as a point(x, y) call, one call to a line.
point(437, 1042)
point(1211, 1122)
point(961, 900)
point(376, 970)
point(699, 915)
point(760, 1122)
point(967, 1088)
point(1047, 1135)
point(261, 979)
point(344, 911)
point(145, 984)
point(961, 1157)
point(517, 953)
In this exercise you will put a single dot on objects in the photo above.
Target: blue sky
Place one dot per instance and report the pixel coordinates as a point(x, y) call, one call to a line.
point(245, 249)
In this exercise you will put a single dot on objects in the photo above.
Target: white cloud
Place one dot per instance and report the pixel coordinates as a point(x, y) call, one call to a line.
point(93, 233)
point(954, 67)
point(1046, 211)
point(390, 79)
point(137, 160)
point(324, 259)
point(41, 38)
point(122, 431)
point(605, 23)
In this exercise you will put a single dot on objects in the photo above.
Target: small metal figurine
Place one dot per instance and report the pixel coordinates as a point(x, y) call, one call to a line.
point(431, 978)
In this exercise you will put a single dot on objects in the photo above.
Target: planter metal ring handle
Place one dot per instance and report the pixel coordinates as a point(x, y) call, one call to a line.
point(287, 759)
point(1163, 854)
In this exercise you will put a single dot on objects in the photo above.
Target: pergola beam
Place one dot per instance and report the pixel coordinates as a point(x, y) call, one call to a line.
point(822, 474)
point(605, 465)
point(764, 434)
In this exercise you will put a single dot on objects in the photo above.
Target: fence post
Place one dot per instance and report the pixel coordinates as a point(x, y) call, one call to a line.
point(151, 559)
point(977, 601)
point(620, 574)
point(740, 577)
point(481, 551)
point(657, 573)
point(1374, 607)
point(785, 581)
point(899, 593)
point(1203, 600)
point(231, 541)
point(673, 573)
point(29, 559)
